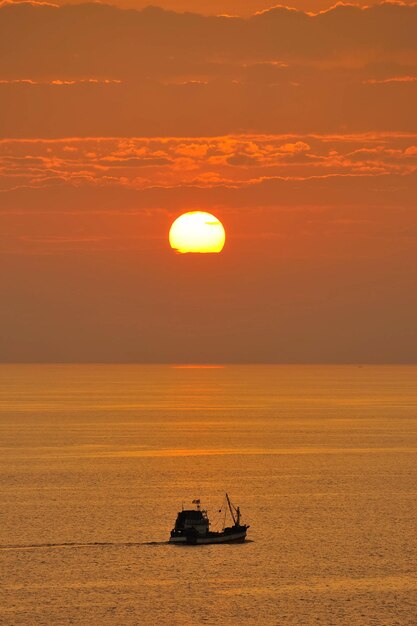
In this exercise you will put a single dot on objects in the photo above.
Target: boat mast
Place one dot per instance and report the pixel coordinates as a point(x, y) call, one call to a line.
point(231, 510)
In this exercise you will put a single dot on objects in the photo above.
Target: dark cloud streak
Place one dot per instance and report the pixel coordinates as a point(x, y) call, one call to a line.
point(101, 71)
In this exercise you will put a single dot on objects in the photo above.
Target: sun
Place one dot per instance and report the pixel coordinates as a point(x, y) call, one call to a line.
point(197, 231)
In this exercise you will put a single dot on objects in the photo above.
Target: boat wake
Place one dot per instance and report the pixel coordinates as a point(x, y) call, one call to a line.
point(76, 544)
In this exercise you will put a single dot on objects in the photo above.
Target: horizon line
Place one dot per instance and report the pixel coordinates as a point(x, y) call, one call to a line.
point(214, 365)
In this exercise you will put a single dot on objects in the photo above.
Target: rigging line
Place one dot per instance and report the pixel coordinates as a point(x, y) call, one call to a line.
point(216, 518)
point(231, 509)
point(216, 522)
point(221, 511)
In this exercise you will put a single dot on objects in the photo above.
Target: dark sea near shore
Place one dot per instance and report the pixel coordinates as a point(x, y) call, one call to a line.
point(96, 461)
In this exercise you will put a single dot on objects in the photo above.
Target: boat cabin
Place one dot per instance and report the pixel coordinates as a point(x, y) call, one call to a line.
point(192, 519)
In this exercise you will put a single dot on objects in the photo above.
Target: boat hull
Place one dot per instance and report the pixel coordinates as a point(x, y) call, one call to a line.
point(231, 537)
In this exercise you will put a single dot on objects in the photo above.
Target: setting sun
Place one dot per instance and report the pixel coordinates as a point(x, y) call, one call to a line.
point(197, 231)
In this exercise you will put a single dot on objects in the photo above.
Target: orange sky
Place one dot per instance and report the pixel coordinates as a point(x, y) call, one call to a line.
point(297, 131)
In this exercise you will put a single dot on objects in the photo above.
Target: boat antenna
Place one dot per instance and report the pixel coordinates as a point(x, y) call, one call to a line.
point(231, 509)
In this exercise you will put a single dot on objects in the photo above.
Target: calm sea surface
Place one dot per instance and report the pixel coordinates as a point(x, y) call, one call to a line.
point(96, 461)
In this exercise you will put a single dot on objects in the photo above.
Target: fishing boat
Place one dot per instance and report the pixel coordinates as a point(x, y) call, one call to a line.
point(192, 526)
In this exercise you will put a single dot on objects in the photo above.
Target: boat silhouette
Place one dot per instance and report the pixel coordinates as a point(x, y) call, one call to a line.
point(192, 526)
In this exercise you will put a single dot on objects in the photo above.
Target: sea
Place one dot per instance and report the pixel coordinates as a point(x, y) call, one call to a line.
point(96, 461)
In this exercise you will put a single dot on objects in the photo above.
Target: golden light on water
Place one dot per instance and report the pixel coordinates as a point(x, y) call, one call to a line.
point(197, 231)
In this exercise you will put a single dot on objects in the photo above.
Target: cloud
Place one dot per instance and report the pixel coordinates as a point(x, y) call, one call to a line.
point(242, 160)
point(146, 109)
point(275, 72)
point(233, 161)
point(5, 3)
point(59, 82)
point(392, 79)
point(112, 161)
point(157, 41)
point(295, 148)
